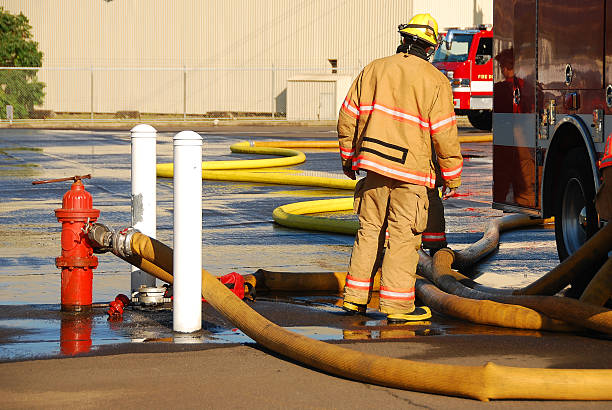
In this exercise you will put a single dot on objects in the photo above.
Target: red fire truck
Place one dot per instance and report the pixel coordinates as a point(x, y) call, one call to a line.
point(552, 111)
point(465, 57)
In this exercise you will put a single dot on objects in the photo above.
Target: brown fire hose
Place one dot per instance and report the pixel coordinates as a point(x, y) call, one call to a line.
point(560, 308)
point(483, 383)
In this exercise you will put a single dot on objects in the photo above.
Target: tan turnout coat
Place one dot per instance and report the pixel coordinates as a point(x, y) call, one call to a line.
point(388, 129)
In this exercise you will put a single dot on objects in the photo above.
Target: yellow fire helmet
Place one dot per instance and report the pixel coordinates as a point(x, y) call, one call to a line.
point(423, 26)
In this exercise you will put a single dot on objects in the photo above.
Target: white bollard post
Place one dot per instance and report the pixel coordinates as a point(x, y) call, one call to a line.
point(187, 313)
point(144, 182)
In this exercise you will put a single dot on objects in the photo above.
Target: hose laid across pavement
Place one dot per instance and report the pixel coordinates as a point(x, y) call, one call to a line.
point(488, 243)
point(561, 308)
point(292, 216)
point(486, 312)
point(489, 381)
point(533, 313)
point(483, 383)
point(244, 170)
point(287, 157)
point(278, 178)
point(599, 288)
point(280, 148)
point(584, 261)
point(234, 170)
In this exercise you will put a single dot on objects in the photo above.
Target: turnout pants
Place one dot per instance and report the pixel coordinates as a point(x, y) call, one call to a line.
point(401, 207)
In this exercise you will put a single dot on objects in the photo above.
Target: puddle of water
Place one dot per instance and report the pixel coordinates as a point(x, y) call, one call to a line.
point(65, 336)
point(322, 333)
point(27, 339)
point(69, 335)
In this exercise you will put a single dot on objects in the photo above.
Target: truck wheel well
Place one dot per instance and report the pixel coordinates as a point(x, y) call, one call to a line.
point(566, 138)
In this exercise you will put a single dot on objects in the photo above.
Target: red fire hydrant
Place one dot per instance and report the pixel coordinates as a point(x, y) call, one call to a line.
point(77, 260)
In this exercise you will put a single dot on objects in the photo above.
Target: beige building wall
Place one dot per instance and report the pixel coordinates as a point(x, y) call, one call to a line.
point(196, 56)
point(456, 13)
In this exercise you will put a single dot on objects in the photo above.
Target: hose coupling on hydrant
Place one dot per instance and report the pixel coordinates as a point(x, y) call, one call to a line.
point(77, 260)
point(104, 239)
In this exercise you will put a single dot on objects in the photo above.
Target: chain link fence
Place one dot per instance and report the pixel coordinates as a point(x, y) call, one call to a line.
point(164, 94)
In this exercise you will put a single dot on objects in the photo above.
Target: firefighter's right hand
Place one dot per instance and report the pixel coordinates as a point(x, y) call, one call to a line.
point(451, 192)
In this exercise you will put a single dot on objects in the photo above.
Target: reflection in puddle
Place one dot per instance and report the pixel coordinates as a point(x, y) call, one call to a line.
point(392, 332)
point(75, 334)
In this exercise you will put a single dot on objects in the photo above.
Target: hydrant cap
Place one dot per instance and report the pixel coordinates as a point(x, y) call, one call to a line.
point(77, 197)
point(77, 203)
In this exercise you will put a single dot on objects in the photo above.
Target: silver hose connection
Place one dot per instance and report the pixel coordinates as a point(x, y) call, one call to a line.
point(105, 239)
point(100, 237)
point(122, 242)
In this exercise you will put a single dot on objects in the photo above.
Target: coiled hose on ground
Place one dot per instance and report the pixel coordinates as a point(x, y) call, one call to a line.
point(226, 170)
point(564, 309)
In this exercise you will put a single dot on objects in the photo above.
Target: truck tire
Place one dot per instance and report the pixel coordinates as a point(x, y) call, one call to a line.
point(481, 119)
point(574, 209)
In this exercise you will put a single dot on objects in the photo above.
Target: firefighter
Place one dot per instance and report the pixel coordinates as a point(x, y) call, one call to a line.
point(397, 108)
point(603, 200)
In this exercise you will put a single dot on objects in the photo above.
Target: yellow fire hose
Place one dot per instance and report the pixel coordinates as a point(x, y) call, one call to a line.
point(486, 312)
point(278, 178)
point(269, 281)
point(582, 262)
point(566, 309)
point(483, 383)
point(221, 170)
point(599, 289)
point(579, 263)
point(521, 316)
point(287, 157)
point(490, 239)
point(481, 311)
point(292, 215)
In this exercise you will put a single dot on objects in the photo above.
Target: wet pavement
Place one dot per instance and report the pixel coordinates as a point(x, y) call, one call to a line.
point(238, 235)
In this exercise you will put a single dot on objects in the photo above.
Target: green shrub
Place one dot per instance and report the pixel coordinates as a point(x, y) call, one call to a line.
point(19, 88)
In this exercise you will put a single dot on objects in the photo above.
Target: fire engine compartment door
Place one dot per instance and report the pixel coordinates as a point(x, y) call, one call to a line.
point(514, 118)
point(570, 44)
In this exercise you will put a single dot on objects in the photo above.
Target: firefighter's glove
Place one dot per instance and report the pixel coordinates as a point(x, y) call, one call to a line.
point(448, 192)
point(348, 170)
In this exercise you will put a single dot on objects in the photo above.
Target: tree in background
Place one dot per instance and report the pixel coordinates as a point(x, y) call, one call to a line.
point(19, 88)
